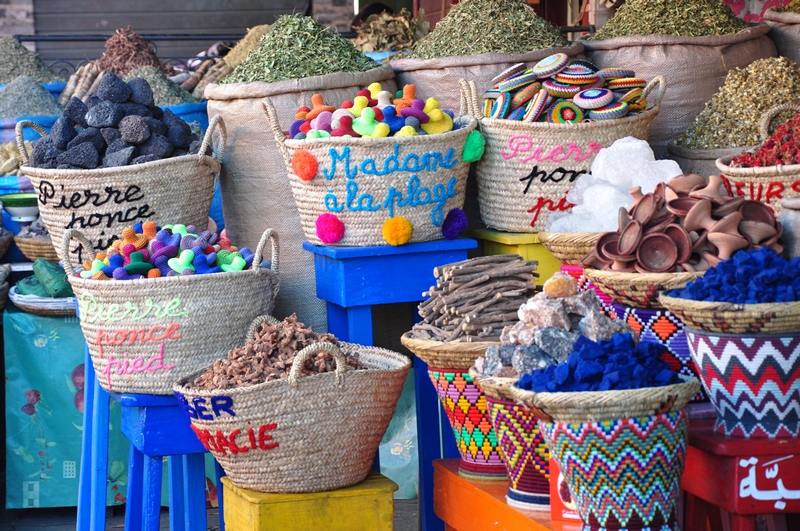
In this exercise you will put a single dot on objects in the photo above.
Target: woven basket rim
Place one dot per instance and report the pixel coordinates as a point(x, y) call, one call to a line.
point(661, 40)
point(117, 170)
point(688, 153)
point(584, 126)
point(385, 141)
point(773, 335)
point(689, 304)
point(567, 237)
point(34, 239)
point(90, 283)
point(641, 278)
point(403, 363)
point(445, 346)
point(723, 166)
point(495, 384)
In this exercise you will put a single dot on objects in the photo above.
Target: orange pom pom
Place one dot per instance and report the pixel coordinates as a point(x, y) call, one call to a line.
point(304, 164)
point(154, 273)
point(397, 231)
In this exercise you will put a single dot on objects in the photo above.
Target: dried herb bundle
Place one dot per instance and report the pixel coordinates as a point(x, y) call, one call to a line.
point(269, 356)
point(684, 18)
point(391, 33)
point(16, 60)
point(299, 47)
point(127, 50)
point(27, 97)
point(165, 92)
point(248, 43)
point(732, 117)
point(482, 26)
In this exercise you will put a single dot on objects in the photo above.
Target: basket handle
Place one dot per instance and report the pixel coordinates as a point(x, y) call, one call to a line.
point(223, 139)
point(469, 99)
point(256, 324)
point(767, 117)
point(275, 124)
point(324, 346)
point(271, 236)
point(659, 83)
point(69, 235)
point(21, 125)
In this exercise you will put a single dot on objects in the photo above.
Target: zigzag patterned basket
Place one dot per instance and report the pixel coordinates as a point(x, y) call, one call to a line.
point(752, 380)
point(730, 318)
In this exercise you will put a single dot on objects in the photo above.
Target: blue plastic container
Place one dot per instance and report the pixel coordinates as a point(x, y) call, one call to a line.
point(8, 127)
point(192, 112)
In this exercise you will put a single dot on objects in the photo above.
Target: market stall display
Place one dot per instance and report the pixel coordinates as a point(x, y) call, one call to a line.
point(741, 322)
point(785, 29)
point(730, 120)
point(771, 171)
point(463, 46)
point(337, 400)
point(167, 328)
point(529, 167)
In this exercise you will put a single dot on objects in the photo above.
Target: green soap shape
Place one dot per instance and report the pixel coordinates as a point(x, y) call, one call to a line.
point(473, 147)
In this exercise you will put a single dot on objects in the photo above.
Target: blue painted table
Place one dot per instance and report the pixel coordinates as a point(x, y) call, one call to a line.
point(157, 427)
point(353, 279)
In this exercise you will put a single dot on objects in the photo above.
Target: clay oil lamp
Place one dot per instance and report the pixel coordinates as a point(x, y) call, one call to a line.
point(681, 207)
point(757, 231)
point(727, 244)
point(682, 240)
point(757, 211)
point(732, 204)
point(699, 217)
point(657, 253)
point(710, 191)
point(729, 224)
point(684, 184)
point(629, 239)
point(645, 209)
point(622, 262)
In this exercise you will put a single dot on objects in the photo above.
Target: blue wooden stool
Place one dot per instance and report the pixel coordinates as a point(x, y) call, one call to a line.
point(353, 279)
point(157, 427)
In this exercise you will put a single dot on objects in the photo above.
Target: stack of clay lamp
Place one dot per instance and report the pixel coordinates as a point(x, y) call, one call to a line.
point(684, 225)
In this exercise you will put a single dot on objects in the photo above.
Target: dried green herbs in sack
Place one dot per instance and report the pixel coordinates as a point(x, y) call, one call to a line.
point(247, 44)
point(733, 115)
point(387, 32)
point(683, 18)
point(25, 96)
point(299, 47)
point(16, 60)
point(482, 26)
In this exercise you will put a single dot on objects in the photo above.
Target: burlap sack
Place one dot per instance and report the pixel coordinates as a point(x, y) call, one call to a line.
point(255, 188)
point(784, 32)
point(700, 161)
point(695, 68)
point(439, 77)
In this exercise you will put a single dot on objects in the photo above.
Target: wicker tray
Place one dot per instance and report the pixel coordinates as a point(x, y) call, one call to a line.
point(34, 248)
point(730, 318)
point(639, 290)
point(446, 355)
point(594, 406)
point(61, 307)
point(493, 386)
point(569, 247)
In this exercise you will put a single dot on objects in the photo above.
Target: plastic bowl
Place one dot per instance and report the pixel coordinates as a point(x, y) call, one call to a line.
point(20, 204)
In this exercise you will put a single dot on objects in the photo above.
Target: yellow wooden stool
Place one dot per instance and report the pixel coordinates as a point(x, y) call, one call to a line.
point(367, 506)
point(525, 244)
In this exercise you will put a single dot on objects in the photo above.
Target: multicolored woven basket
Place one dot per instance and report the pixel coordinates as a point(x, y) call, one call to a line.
point(623, 474)
point(466, 409)
point(662, 327)
point(524, 452)
point(752, 380)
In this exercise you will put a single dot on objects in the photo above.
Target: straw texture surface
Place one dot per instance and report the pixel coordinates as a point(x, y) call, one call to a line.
point(494, 386)
point(450, 354)
point(569, 247)
point(312, 433)
point(639, 290)
point(144, 334)
point(34, 248)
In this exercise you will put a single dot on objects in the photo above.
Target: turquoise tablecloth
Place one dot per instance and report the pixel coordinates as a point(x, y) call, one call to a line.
point(44, 399)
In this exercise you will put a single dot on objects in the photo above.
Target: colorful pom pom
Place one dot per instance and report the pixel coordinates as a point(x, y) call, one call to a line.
point(304, 164)
point(473, 147)
point(397, 231)
point(330, 228)
point(454, 224)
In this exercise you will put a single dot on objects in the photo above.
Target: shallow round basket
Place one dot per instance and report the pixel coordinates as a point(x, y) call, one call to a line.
point(6, 237)
point(594, 406)
point(569, 247)
point(446, 354)
point(34, 248)
point(46, 306)
point(731, 318)
point(639, 290)
point(494, 386)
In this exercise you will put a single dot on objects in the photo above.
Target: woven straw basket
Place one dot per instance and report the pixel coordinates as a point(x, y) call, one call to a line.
point(6, 237)
point(4, 287)
point(446, 354)
point(594, 406)
point(34, 248)
point(311, 433)
point(144, 334)
point(569, 247)
point(519, 184)
point(730, 318)
point(359, 199)
point(639, 290)
point(494, 386)
point(767, 184)
point(102, 202)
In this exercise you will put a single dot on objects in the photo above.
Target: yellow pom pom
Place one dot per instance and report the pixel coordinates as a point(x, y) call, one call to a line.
point(397, 231)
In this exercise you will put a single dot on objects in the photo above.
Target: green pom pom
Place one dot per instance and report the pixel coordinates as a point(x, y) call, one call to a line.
point(473, 147)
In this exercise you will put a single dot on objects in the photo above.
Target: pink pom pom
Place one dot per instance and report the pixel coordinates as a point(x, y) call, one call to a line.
point(330, 229)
